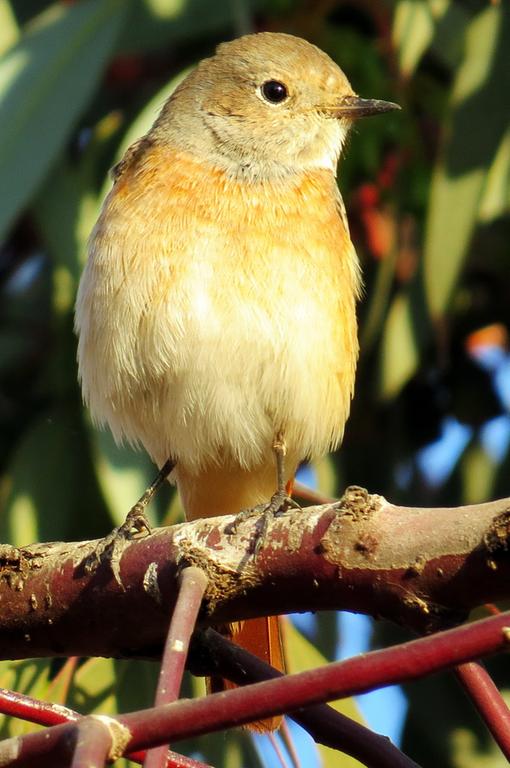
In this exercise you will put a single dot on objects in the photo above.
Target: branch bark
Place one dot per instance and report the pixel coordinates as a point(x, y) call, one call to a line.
point(423, 568)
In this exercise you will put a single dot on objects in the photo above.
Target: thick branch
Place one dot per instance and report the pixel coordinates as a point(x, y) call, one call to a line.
point(425, 568)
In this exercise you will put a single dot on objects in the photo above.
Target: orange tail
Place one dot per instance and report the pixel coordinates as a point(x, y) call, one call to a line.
point(262, 637)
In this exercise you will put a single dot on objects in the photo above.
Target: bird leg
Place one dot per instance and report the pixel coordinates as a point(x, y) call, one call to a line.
point(280, 452)
point(112, 546)
point(279, 503)
point(136, 520)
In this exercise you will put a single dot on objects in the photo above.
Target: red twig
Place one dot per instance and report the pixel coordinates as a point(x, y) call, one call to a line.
point(488, 701)
point(192, 585)
point(277, 750)
point(324, 724)
point(289, 744)
point(31, 710)
point(34, 711)
point(305, 493)
point(407, 661)
point(93, 744)
point(185, 719)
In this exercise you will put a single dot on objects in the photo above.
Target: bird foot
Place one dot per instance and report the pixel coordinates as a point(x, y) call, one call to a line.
point(279, 503)
point(111, 548)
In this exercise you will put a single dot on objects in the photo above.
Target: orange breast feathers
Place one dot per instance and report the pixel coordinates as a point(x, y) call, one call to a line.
point(215, 312)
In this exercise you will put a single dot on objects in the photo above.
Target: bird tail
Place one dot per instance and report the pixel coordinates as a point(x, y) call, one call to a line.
point(263, 638)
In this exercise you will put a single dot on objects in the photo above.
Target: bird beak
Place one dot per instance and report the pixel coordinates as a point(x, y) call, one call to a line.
point(354, 107)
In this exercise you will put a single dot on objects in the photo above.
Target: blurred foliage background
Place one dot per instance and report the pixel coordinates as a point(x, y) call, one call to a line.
point(428, 196)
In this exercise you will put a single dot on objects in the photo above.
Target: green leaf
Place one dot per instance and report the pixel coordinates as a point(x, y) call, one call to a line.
point(468, 752)
point(377, 302)
point(65, 210)
point(327, 475)
point(9, 29)
point(420, 25)
point(130, 697)
point(496, 194)
point(48, 489)
point(413, 30)
point(400, 347)
point(46, 80)
point(447, 43)
point(93, 688)
point(470, 143)
point(155, 23)
point(144, 120)
point(478, 471)
point(123, 474)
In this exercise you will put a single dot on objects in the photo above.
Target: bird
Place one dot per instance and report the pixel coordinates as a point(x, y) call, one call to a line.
point(216, 313)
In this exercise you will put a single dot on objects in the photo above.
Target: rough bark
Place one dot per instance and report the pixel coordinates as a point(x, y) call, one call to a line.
point(423, 568)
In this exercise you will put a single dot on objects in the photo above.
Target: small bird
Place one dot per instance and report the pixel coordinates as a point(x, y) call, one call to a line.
point(216, 313)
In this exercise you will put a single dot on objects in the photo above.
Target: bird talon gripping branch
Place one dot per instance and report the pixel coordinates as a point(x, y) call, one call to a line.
point(111, 548)
point(279, 503)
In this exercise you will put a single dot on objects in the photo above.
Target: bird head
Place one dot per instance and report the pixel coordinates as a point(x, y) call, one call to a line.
point(265, 105)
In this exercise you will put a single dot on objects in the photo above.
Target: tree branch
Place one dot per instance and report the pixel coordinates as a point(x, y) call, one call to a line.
point(489, 702)
point(423, 568)
point(190, 718)
point(323, 723)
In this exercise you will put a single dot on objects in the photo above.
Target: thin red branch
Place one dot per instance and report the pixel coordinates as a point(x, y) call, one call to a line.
point(408, 661)
point(34, 711)
point(303, 492)
point(44, 713)
point(417, 566)
point(192, 585)
point(289, 744)
point(186, 719)
point(93, 744)
point(323, 723)
point(488, 701)
point(277, 750)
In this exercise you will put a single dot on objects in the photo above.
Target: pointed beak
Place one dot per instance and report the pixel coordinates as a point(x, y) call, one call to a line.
point(354, 106)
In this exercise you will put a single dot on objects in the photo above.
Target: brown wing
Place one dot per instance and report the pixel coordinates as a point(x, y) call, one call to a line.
point(131, 156)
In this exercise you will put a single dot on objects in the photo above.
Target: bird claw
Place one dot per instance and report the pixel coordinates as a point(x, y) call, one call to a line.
point(111, 548)
point(279, 503)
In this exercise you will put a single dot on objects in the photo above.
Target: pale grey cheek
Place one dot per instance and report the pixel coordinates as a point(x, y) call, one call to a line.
point(270, 147)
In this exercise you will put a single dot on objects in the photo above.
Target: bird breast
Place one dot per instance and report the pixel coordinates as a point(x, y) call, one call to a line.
point(214, 312)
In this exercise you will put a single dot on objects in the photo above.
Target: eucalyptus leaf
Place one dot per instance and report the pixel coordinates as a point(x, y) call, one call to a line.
point(470, 143)
point(152, 24)
point(123, 474)
point(9, 29)
point(46, 81)
point(413, 29)
point(48, 487)
point(400, 348)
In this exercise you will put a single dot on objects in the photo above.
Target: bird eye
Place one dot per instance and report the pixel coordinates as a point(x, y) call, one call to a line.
point(274, 91)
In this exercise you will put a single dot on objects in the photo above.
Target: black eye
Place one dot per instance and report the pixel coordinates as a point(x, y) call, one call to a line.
point(274, 91)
